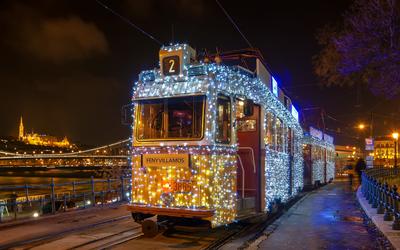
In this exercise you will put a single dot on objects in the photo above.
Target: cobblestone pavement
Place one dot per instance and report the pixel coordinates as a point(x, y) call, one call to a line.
point(328, 218)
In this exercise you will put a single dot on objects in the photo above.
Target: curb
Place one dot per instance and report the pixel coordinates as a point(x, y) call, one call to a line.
point(385, 227)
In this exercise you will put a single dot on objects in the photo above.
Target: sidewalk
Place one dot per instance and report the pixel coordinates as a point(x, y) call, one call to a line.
point(328, 218)
point(384, 226)
point(52, 225)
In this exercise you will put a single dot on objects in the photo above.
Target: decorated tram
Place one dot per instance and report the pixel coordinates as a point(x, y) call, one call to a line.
point(211, 142)
point(319, 158)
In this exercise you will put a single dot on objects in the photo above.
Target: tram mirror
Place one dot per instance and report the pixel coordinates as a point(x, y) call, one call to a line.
point(126, 114)
point(248, 107)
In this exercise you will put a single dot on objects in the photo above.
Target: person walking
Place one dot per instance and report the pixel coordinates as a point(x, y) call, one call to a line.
point(360, 166)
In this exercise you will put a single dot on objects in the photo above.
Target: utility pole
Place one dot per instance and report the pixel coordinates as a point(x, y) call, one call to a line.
point(371, 126)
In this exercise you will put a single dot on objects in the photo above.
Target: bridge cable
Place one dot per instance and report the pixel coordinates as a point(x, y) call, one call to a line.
point(130, 23)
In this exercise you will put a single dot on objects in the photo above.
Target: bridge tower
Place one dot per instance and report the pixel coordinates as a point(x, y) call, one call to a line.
point(21, 130)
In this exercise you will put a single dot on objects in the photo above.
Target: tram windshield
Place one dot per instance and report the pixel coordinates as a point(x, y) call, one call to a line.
point(171, 118)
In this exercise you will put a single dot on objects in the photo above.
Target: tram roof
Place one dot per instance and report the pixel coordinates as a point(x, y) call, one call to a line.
point(181, 73)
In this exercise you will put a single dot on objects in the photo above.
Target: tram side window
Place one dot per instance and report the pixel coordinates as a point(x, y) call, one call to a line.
point(285, 139)
point(268, 132)
point(279, 135)
point(223, 130)
point(289, 140)
point(272, 131)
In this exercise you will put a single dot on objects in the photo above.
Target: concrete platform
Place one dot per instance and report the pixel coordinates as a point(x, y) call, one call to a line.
point(384, 226)
point(328, 218)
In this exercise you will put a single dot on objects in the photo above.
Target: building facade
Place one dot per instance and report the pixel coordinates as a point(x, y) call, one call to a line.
point(41, 139)
point(384, 150)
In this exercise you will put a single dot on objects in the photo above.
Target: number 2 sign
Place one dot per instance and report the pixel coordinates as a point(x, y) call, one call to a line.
point(171, 65)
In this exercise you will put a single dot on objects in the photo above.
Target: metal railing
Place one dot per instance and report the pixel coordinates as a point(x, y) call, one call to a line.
point(382, 196)
point(34, 200)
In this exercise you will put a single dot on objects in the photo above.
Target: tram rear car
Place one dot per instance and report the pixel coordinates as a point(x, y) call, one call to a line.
point(211, 142)
point(319, 158)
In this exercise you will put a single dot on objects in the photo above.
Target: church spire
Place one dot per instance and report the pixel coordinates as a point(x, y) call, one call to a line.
point(21, 130)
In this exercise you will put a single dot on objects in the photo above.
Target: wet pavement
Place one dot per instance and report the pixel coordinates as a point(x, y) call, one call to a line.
point(328, 218)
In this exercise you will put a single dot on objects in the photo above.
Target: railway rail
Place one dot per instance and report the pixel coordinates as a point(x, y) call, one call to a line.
point(31, 243)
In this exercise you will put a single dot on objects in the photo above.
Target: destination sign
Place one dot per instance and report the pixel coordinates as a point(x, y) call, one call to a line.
point(166, 160)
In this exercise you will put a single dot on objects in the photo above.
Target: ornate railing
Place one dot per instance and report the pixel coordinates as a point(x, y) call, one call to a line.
point(381, 195)
point(23, 201)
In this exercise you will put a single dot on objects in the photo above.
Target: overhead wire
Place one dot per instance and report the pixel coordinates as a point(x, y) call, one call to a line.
point(234, 24)
point(130, 23)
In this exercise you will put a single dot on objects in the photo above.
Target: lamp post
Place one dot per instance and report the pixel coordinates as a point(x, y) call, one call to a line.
point(395, 136)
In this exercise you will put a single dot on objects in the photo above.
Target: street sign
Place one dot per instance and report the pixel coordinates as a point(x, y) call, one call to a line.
point(369, 144)
point(370, 161)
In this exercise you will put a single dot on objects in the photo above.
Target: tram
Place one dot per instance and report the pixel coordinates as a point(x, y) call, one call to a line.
point(319, 158)
point(211, 142)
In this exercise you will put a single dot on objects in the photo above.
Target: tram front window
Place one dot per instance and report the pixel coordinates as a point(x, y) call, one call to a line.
point(171, 118)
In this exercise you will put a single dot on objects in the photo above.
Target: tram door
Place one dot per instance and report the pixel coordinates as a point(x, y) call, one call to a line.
point(248, 179)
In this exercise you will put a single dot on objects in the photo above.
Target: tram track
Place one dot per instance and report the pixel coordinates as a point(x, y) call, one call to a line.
point(103, 237)
point(110, 240)
point(33, 242)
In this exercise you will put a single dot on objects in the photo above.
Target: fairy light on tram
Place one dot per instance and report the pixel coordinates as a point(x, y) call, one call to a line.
point(211, 142)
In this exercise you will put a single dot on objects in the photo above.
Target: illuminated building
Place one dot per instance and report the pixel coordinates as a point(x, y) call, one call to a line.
point(384, 151)
point(42, 140)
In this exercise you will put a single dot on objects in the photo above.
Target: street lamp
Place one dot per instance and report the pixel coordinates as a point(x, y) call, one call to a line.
point(361, 126)
point(395, 136)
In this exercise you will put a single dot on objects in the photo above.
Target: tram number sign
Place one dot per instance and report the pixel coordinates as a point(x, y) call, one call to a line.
point(171, 65)
point(181, 186)
point(177, 186)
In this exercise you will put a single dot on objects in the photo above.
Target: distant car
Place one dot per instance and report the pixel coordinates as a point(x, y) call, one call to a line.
point(349, 169)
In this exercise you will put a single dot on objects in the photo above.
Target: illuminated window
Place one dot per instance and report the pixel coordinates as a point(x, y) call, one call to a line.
point(271, 130)
point(223, 130)
point(170, 118)
point(279, 135)
point(239, 109)
point(268, 132)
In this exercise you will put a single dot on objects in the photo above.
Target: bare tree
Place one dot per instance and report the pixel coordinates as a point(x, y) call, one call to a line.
point(364, 49)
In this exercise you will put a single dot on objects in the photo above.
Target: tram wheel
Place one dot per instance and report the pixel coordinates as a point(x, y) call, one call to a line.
point(149, 228)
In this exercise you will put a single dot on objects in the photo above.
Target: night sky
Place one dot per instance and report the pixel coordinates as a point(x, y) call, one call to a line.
point(68, 66)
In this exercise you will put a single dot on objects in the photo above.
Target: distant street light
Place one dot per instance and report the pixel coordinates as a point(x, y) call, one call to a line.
point(361, 126)
point(395, 136)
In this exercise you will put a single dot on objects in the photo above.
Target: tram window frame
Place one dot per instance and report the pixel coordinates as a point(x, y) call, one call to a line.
point(228, 100)
point(165, 118)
